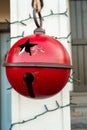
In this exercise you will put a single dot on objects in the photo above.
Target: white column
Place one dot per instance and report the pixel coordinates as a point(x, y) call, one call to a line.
point(25, 108)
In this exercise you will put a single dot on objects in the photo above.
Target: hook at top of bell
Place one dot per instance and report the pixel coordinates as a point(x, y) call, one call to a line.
point(39, 25)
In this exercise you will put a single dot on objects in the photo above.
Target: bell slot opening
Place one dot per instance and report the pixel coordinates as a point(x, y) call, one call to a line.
point(29, 78)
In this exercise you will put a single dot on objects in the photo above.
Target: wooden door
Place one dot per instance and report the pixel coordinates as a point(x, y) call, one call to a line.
point(78, 13)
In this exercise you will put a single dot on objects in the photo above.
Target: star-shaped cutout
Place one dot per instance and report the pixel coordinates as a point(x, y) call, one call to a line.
point(26, 47)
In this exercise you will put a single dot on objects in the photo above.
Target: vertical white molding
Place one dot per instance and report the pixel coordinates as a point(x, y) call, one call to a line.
point(68, 87)
point(14, 32)
point(24, 108)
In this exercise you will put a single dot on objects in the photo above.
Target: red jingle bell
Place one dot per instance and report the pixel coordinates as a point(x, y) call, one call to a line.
point(38, 65)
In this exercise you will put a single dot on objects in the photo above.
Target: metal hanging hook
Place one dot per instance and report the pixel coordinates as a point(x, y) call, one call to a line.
point(39, 29)
point(39, 25)
point(37, 6)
